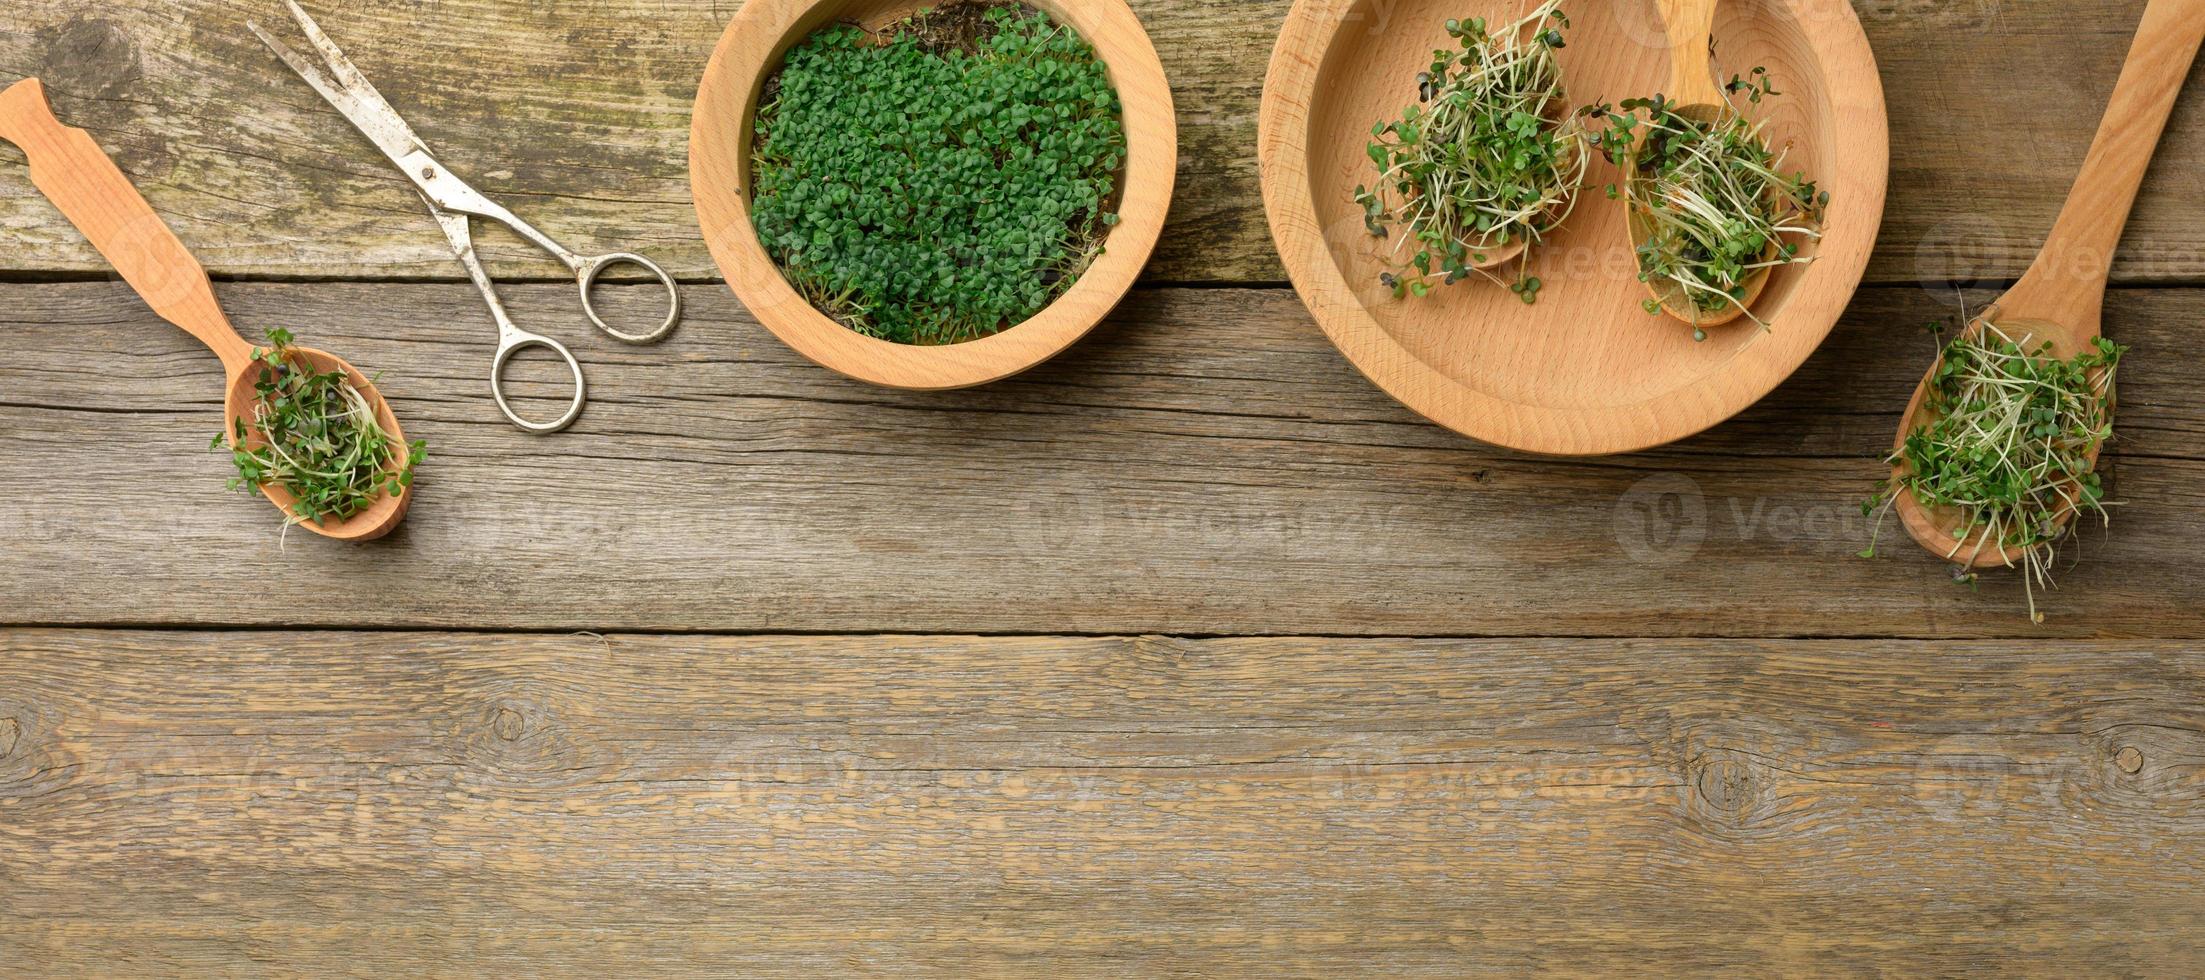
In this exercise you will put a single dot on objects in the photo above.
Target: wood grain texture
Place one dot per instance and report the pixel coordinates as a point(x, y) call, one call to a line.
point(576, 114)
point(1689, 26)
point(383, 804)
point(720, 157)
point(327, 802)
point(2066, 285)
point(1204, 464)
point(1585, 371)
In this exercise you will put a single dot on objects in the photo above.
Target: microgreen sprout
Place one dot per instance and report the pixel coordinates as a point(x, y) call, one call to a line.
point(1713, 200)
point(315, 435)
point(1488, 157)
point(941, 179)
point(2009, 442)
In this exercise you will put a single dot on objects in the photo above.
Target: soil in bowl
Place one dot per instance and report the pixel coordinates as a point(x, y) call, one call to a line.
point(942, 178)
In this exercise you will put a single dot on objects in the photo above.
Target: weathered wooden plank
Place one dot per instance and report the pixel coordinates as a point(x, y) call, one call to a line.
point(379, 804)
point(577, 114)
point(1205, 464)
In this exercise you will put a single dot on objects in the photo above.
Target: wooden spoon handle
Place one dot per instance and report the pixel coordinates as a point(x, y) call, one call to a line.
point(1690, 25)
point(95, 196)
point(2067, 282)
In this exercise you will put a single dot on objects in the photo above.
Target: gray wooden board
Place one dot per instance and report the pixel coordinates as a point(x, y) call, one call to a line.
point(408, 803)
point(577, 115)
point(1204, 464)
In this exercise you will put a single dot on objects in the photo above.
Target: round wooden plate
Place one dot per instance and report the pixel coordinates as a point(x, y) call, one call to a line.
point(1585, 371)
point(719, 174)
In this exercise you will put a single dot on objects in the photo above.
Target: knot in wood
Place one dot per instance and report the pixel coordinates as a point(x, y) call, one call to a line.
point(523, 742)
point(96, 55)
point(1727, 787)
point(30, 762)
point(2130, 759)
point(507, 724)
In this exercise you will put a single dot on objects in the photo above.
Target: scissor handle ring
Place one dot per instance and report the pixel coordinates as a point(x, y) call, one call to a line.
point(591, 268)
point(514, 344)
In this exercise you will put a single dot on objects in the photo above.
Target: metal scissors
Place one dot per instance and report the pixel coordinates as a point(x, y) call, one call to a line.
point(455, 204)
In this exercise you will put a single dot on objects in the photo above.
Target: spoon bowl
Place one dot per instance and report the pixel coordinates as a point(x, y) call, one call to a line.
point(87, 187)
point(1666, 291)
point(371, 522)
point(1691, 28)
point(1677, 304)
point(2061, 299)
point(1495, 258)
point(1937, 529)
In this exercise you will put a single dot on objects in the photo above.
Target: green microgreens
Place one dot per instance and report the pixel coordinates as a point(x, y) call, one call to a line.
point(1716, 207)
point(317, 438)
point(2010, 443)
point(940, 180)
point(1489, 155)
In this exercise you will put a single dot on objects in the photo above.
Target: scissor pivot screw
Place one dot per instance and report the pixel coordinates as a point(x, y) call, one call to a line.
point(428, 173)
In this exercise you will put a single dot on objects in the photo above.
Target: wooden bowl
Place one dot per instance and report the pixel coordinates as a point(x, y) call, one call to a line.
point(719, 174)
point(1585, 371)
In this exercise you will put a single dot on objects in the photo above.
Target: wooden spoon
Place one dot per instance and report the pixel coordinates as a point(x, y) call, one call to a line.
point(95, 196)
point(1697, 96)
point(2061, 299)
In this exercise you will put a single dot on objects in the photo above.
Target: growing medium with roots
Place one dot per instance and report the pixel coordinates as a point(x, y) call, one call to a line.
point(1712, 198)
point(942, 179)
point(2010, 444)
point(1487, 158)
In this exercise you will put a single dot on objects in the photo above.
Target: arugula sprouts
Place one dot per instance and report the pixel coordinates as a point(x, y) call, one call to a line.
point(2010, 442)
point(1488, 157)
point(942, 179)
point(1716, 207)
point(319, 439)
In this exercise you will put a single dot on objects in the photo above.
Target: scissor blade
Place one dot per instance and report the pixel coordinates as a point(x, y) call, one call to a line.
point(457, 229)
point(339, 65)
point(349, 92)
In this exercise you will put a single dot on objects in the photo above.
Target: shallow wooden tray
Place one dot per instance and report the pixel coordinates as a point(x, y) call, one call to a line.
point(719, 174)
point(1586, 371)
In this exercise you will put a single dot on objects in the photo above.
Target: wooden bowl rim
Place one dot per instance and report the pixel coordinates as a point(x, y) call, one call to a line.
point(1859, 183)
point(752, 47)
